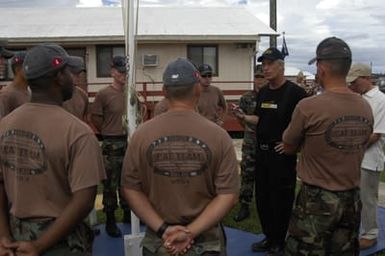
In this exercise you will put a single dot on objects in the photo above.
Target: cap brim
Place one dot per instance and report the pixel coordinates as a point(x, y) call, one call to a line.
point(6, 53)
point(312, 61)
point(75, 64)
point(206, 73)
point(350, 79)
point(272, 58)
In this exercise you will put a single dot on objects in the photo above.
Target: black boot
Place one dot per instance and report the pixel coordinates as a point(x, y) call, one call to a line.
point(127, 216)
point(111, 227)
point(244, 213)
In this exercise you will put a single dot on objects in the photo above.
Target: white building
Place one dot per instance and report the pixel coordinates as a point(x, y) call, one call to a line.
point(225, 37)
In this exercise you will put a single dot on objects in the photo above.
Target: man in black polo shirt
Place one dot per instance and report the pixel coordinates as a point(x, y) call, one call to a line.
point(275, 172)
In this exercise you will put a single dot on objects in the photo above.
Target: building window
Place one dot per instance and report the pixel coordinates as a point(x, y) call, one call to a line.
point(204, 54)
point(104, 58)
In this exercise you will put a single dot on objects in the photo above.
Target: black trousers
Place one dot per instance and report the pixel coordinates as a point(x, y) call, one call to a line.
point(274, 191)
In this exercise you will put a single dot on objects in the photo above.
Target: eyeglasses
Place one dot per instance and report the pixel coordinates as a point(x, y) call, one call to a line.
point(207, 76)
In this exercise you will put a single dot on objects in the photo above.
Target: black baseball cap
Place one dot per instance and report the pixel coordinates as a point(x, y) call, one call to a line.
point(119, 63)
point(4, 52)
point(332, 48)
point(271, 53)
point(205, 69)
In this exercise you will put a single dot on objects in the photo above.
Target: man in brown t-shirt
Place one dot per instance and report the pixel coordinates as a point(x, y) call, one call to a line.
point(50, 165)
point(78, 104)
point(212, 103)
point(16, 93)
point(332, 131)
point(180, 172)
point(107, 115)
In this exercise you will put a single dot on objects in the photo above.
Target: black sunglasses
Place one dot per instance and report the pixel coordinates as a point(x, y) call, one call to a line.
point(207, 76)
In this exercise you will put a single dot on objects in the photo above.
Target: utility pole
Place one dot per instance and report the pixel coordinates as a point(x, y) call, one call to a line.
point(273, 22)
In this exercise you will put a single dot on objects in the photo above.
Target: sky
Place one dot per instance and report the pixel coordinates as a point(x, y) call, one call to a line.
point(305, 23)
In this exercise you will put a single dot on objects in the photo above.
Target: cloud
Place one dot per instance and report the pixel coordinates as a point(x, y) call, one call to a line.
point(359, 22)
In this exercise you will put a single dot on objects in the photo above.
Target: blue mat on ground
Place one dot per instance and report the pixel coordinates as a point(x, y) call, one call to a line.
point(238, 241)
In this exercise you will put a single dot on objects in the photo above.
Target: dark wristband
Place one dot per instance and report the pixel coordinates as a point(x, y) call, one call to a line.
point(162, 229)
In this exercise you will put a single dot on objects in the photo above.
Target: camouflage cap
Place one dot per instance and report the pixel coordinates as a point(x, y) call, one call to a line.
point(119, 63)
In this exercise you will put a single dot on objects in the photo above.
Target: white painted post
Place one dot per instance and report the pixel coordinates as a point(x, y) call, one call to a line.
point(132, 242)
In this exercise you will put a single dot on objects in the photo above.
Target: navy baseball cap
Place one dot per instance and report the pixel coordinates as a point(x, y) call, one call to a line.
point(180, 72)
point(77, 65)
point(271, 53)
point(45, 58)
point(332, 48)
point(119, 63)
point(205, 69)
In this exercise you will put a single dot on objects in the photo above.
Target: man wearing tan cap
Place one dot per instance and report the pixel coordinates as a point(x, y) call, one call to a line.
point(359, 79)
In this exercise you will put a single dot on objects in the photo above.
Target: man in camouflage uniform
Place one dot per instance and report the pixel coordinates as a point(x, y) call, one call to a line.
point(332, 131)
point(247, 104)
point(107, 115)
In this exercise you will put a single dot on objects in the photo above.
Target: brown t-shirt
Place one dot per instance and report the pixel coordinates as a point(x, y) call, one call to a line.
point(161, 107)
point(11, 98)
point(78, 104)
point(109, 103)
point(212, 103)
point(181, 161)
point(46, 155)
point(333, 129)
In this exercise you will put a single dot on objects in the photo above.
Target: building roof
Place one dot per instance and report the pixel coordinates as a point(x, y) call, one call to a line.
point(293, 72)
point(155, 23)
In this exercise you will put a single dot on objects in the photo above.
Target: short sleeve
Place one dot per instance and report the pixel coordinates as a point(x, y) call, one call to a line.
point(131, 171)
point(295, 131)
point(86, 167)
point(379, 118)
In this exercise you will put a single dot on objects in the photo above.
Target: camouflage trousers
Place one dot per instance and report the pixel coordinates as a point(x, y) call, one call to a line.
point(78, 243)
point(210, 243)
point(324, 223)
point(113, 153)
point(248, 168)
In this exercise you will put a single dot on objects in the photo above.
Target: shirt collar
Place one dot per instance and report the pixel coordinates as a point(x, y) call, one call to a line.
point(372, 92)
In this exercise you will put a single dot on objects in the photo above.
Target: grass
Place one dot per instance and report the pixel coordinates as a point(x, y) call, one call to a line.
point(382, 176)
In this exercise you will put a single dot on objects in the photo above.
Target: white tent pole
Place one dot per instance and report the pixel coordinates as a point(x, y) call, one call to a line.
point(131, 242)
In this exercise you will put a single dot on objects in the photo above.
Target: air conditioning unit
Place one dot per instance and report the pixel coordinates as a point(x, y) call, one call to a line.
point(150, 60)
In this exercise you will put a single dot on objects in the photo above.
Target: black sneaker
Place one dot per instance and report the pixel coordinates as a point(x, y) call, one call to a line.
point(261, 246)
point(275, 250)
point(113, 230)
point(244, 213)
